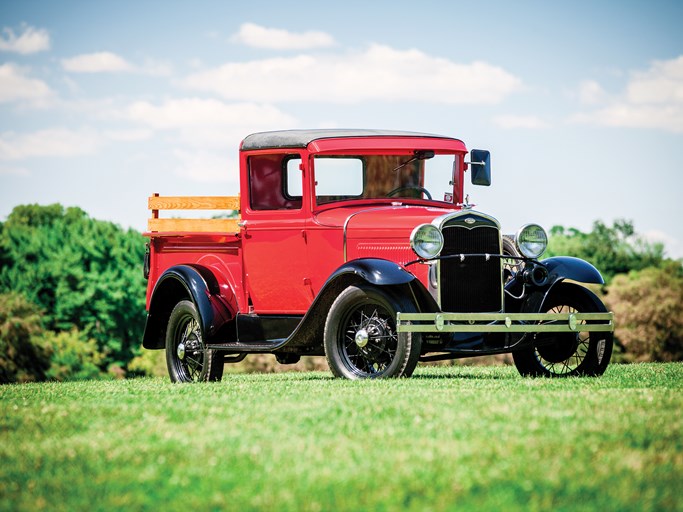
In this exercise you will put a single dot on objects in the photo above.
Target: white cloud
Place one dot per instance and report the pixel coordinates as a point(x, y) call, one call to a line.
point(377, 73)
point(651, 99)
point(108, 62)
point(526, 122)
point(31, 40)
point(15, 85)
point(591, 92)
point(99, 62)
point(208, 123)
point(257, 36)
point(56, 142)
point(662, 83)
point(208, 167)
point(207, 132)
point(128, 135)
point(199, 112)
point(14, 171)
point(155, 68)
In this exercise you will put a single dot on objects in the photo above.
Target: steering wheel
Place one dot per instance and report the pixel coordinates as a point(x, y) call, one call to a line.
point(411, 187)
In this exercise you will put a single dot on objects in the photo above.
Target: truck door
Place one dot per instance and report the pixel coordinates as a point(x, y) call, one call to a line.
point(274, 235)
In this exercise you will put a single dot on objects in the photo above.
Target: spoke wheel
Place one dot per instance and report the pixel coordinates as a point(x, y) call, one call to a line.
point(510, 265)
point(567, 351)
point(578, 353)
point(187, 358)
point(361, 340)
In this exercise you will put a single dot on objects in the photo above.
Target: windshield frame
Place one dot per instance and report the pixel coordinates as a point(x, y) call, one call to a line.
point(398, 160)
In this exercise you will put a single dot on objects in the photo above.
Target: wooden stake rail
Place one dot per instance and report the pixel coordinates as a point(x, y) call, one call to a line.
point(157, 202)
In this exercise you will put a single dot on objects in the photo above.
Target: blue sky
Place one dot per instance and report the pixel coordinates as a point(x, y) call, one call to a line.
point(580, 103)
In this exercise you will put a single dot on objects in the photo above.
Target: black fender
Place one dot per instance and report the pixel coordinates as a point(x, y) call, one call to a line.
point(576, 269)
point(181, 282)
point(560, 268)
point(375, 271)
point(536, 302)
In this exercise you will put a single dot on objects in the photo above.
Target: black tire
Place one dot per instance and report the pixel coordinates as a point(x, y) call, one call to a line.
point(510, 266)
point(186, 358)
point(568, 354)
point(360, 335)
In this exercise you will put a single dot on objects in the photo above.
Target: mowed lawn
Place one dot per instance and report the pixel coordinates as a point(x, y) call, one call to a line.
point(465, 438)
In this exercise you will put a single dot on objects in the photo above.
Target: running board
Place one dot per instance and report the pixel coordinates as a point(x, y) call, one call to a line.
point(237, 347)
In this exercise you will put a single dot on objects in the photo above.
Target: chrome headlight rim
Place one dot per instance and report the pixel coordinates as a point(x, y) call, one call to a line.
point(528, 243)
point(426, 241)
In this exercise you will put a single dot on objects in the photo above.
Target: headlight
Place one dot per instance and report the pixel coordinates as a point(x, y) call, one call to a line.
point(531, 240)
point(427, 241)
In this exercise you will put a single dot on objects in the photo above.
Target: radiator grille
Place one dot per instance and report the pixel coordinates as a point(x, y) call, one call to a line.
point(473, 285)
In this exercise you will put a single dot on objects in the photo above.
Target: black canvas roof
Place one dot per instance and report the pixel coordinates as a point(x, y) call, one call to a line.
point(301, 138)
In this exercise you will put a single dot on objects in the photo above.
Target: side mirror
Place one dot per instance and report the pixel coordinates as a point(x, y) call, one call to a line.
point(480, 167)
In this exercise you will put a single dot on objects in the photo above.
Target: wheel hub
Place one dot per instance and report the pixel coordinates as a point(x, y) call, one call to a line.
point(362, 338)
point(560, 350)
point(181, 351)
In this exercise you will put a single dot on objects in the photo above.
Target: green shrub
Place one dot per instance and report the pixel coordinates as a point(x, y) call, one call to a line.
point(23, 355)
point(150, 363)
point(648, 308)
point(73, 357)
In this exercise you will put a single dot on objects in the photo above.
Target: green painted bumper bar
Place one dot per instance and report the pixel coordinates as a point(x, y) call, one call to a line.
point(505, 322)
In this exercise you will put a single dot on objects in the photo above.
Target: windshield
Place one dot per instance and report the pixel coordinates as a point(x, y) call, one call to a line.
point(344, 178)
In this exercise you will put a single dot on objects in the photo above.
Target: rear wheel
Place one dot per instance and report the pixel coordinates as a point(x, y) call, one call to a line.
point(187, 358)
point(361, 339)
point(567, 354)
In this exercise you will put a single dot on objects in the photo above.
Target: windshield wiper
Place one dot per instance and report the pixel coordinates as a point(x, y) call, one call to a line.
point(423, 154)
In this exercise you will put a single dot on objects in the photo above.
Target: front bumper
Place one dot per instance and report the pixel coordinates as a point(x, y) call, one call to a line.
point(504, 322)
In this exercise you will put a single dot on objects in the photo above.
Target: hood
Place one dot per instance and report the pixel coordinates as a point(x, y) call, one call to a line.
point(380, 221)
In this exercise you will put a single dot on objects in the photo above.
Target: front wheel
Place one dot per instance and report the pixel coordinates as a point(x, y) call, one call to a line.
point(569, 353)
point(360, 337)
point(187, 358)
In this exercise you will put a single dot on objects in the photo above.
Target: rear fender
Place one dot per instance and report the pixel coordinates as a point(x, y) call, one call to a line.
point(183, 282)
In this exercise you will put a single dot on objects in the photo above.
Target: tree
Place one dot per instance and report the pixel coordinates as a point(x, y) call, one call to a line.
point(613, 250)
point(83, 273)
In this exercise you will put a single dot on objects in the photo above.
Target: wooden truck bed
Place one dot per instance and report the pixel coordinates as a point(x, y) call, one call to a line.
point(167, 227)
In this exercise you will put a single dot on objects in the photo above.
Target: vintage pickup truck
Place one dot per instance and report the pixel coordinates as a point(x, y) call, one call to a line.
point(361, 245)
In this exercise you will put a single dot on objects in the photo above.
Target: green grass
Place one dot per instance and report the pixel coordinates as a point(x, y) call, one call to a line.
point(467, 438)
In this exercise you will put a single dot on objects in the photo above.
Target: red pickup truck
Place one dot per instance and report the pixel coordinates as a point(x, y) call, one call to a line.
point(360, 245)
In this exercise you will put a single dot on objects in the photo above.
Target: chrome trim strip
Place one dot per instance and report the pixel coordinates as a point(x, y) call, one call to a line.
point(504, 322)
point(440, 221)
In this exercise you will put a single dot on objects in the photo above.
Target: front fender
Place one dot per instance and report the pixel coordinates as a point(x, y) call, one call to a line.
point(375, 271)
point(567, 267)
point(193, 282)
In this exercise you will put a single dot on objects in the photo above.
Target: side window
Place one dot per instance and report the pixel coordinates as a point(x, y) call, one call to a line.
point(272, 182)
point(338, 178)
point(293, 177)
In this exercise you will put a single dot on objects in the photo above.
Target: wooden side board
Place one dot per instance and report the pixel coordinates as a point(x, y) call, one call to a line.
point(194, 203)
point(156, 203)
